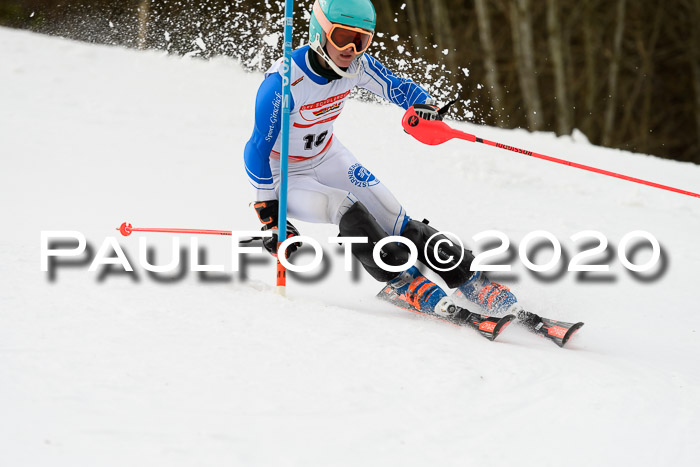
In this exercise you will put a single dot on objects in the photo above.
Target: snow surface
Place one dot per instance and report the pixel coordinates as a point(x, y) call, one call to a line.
point(129, 371)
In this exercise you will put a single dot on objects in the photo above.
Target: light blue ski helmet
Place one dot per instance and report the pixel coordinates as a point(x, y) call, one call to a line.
point(355, 13)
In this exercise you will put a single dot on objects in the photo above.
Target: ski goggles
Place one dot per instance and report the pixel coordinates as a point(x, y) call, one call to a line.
point(342, 36)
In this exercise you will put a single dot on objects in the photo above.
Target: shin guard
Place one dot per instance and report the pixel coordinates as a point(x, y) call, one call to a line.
point(358, 222)
point(457, 271)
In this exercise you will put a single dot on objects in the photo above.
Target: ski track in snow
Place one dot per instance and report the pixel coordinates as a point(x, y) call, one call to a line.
point(135, 372)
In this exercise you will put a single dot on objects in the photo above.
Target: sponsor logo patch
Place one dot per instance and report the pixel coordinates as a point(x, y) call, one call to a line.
point(359, 176)
point(332, 106)
point(276, 104)
point(328, 109)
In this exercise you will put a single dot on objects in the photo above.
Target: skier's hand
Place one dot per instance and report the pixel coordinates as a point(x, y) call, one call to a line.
point(270, 243)
point(268, 212)
point(428, 111)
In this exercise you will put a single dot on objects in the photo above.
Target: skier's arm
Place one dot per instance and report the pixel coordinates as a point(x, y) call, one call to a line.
point(268, 121)
point(382, 82)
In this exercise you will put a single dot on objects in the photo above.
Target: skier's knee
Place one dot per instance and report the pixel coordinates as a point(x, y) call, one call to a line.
point(359, 222)
point(452, 263)
point(341, 206)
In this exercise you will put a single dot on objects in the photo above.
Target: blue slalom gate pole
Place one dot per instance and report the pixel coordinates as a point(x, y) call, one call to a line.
point(284, 153)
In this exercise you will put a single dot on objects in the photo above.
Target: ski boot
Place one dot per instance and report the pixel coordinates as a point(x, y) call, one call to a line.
point(498, 299)
point(493, 297)
point(415, 292)
point(422, 294)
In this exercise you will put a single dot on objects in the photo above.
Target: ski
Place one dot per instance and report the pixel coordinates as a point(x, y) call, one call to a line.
point(558, 332)
point(488, 326)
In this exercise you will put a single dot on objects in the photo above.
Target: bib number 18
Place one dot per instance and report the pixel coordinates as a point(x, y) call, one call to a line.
point(314, 140)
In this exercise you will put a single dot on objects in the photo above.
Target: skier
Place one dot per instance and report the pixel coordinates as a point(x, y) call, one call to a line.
point(327, 184)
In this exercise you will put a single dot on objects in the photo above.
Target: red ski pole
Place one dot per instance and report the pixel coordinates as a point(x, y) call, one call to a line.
point(434, 132)
point(126, 230)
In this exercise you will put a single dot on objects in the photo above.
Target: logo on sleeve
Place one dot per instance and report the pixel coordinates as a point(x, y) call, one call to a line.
point(274, 116)
point(359, 176)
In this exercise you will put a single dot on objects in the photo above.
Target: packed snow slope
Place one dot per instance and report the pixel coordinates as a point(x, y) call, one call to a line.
point(124, 369)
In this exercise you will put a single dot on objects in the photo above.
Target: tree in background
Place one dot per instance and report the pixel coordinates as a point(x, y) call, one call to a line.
point(490, 60)
point(144, 10)
point(557, 52)
point(625, 73)
point(693, 58)
point(613, 73)
point(524, 52)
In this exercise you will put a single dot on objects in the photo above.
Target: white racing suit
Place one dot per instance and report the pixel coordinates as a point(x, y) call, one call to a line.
point(325, 179)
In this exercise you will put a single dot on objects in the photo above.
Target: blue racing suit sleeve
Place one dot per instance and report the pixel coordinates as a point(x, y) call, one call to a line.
point(382, 82)
point(268, 121)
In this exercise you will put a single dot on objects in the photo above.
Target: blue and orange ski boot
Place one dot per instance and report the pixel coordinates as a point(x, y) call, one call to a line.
point(413, 291)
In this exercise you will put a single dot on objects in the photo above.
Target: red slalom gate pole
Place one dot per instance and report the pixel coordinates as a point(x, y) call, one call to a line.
point(434, 132)
point(281, 279)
